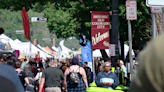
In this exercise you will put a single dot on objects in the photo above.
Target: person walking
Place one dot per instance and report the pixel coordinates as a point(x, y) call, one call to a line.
point(101, 68)
point(150, 73)
point(75, 77)
point(22, 76)
point(10, 81)
point(88, 71)
point(30, 76)
point(38, 78)
point(59, 64)
point(64, 65)
point(106, 78)
point(2, 61)
point(51, 77)
point(123, 68)
point(118, 71)
point(22, 60)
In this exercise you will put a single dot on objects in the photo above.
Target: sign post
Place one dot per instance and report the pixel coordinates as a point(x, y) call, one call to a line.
point(163, 19)
point(155, 10)
point(157, 3)
point(131, 14)
point(112, 49)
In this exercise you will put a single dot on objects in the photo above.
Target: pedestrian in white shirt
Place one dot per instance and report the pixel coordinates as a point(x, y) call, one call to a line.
point(39, 76)
point(124, 68)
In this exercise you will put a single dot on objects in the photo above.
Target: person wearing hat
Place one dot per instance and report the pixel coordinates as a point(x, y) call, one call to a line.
point(106, 78)
point(22, 60)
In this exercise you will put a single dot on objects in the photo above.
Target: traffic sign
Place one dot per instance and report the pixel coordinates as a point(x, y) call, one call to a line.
point(46, 39)
point(36, 19)
point(155, 3)
point(112, 49)
point(19, 31)
point(156, 9)
point(131, 10)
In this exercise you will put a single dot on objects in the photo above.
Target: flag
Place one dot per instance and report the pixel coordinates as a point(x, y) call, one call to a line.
point(86, 53)
point(59, 52)
point(26, 24)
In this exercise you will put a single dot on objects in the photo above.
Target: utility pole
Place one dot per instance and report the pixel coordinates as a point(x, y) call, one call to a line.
point(131, 15)
point(115, 29)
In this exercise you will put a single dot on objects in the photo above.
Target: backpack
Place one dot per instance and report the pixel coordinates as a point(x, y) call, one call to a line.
point(74, 77)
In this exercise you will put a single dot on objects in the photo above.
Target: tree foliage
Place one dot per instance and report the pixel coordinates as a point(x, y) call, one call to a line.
point(20, 4)
point(79, 19)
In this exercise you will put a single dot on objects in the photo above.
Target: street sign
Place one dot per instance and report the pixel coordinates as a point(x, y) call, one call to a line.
point(112, 49)
point(22, 31)
point(131, 10)
point(156, 9)
point(155, 3)
point(19, 31)
point(46, 39)
point(34, 19)
point(37, 19)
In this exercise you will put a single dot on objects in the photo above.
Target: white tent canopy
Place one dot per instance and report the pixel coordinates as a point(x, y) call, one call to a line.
point(65, 50)
point(15, 46)
point(55, 49)
point(34, 49)
point(97, 53)
point(17, 40)
point(126, 50)
point(43, 49)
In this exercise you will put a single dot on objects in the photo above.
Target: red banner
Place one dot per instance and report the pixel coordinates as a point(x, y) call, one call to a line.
point(26, 25)
point(100, 37)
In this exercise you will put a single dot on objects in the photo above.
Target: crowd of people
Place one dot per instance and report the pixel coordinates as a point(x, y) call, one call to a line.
point(66, 75)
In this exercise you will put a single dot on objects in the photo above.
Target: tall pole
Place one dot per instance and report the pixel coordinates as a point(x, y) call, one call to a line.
point(30, 47)
point(115, 28)
point(154, 25)
point(130, 49)
point(93, 67)
point(163, 19)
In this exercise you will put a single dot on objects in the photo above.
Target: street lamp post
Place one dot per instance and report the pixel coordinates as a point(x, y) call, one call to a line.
point(115, 28)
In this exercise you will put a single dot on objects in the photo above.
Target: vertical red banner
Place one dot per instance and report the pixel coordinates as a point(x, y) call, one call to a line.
point(100, 36)
point(26, 24)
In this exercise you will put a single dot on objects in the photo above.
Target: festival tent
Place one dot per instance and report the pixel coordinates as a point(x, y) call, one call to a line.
point(97, 53)
point(41, 48)
point(15, 46)
point(63, 54)
point(55, 49)
point(17, 40)
point(65, 50)
point(34, 49)
point(126, 50)
point(49, 50)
